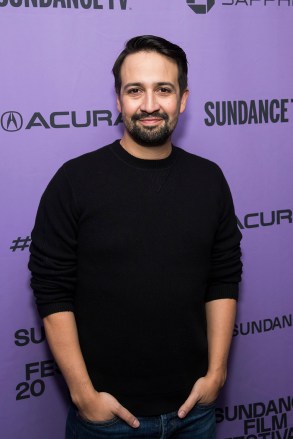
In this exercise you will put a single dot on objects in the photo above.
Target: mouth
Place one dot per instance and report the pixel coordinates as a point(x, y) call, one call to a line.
point(151, 121)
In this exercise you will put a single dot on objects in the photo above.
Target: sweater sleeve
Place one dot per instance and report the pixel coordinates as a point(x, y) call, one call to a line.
point(53, 249)
point(226, 266)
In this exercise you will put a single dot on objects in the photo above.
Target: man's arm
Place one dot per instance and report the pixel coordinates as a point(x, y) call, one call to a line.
point(61, 333)
point(221, 295)
point(220, 316)
point(53, 263)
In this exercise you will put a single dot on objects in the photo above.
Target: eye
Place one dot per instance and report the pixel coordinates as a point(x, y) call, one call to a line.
point(164, 90)
point(133, 91)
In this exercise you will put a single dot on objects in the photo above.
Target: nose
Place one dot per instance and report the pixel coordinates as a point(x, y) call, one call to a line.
point(149, 103)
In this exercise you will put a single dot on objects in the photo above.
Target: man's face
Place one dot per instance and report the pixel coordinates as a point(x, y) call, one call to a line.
point(149, 99)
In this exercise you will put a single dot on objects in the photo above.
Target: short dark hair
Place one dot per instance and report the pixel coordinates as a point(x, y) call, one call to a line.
point(151, 43)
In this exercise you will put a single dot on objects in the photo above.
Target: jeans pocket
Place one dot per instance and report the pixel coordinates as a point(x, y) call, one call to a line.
point(89, 423)
point(205, 406)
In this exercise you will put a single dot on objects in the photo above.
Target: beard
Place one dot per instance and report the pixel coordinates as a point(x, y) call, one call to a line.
point(150, 136)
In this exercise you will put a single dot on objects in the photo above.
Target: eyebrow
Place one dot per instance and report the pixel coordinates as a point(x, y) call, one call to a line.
point(170, 84)
point(140, 84)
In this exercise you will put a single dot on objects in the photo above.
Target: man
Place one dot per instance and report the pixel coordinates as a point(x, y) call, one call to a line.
point(135, 264)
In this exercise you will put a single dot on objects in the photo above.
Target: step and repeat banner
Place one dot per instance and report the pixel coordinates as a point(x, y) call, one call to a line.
point(57, 101)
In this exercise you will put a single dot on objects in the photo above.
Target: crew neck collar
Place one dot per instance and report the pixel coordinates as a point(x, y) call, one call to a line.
point(130, 159)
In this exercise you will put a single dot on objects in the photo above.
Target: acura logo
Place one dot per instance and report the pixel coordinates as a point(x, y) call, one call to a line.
point(200, 6)
point(11, 121)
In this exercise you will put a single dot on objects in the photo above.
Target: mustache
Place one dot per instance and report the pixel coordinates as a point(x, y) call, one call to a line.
point(143, 116)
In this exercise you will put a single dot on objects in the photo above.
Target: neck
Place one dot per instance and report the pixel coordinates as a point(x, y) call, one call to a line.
point(146, 152)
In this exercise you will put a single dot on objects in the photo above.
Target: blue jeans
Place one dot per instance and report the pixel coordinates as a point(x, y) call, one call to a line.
point(198, 424)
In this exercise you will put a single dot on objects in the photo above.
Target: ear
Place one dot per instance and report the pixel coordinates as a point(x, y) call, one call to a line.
point(183, 101)
point(118, 103)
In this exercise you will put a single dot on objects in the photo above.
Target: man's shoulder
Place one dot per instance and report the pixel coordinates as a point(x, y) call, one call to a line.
point(90, 159)
point(200, 163)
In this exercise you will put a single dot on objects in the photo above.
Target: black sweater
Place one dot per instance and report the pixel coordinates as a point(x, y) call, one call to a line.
point(135, 248)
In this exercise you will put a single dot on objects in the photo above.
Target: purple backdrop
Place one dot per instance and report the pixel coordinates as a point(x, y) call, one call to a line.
point(56, 59)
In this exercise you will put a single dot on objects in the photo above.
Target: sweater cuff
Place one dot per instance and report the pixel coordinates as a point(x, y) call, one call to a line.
point(45, 310)
point(224, 291)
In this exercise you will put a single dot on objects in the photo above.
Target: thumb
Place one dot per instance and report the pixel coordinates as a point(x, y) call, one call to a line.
point(128, 417)
point(188, 405)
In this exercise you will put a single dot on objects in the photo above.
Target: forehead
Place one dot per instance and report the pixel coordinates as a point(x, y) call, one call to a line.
point(149, 67)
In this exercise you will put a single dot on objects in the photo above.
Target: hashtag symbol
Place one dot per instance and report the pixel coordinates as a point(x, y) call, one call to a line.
point(20, 244)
